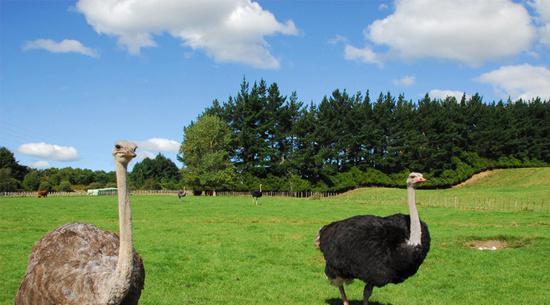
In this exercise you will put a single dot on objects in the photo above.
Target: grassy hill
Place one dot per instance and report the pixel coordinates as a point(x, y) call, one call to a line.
point(499, 190)
point(517, 177)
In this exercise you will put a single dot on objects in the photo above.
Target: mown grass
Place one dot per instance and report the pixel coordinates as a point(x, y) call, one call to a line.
point(225, 250)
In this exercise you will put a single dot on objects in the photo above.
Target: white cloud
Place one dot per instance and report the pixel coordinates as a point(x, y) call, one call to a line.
point(544, 34)
point(40, 164)
point(442, 94)
point(520, 81)
point(406, 81)
point(543, 9)
point(383, 7)
point(467, 31)
point(227, 30)
point(64, 46)
point(159, 144)
point(338, 39)
point(49, 151)
point(364, 55)
point(142, 154)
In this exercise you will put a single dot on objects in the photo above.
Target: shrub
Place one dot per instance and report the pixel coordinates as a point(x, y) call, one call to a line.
point(65, 186)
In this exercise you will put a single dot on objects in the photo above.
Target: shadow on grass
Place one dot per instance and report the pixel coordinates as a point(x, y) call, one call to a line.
point(335, 301)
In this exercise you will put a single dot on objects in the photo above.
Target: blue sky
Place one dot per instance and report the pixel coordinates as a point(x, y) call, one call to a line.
point(75, 76)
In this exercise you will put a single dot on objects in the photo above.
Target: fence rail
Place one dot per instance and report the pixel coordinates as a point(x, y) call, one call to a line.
point(175, 192)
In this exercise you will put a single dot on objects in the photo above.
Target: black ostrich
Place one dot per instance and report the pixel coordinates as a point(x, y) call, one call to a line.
point(256, 194)
point(376, 250)
point(182, 194)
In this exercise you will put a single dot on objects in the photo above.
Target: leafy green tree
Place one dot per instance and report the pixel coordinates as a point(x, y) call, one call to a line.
point(7, 160)
point(65, 186)
point(158, 169)
point(45, 186)
point(7, 183)
point(31, 182)
point(205, 154)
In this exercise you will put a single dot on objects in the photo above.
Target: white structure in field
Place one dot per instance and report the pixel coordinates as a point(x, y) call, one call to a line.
point(104, 191)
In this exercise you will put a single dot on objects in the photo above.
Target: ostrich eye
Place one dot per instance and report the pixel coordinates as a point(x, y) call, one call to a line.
point(118, 146)
point(135, 148)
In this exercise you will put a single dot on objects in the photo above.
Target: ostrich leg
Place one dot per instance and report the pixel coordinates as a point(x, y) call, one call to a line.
point(366, 293)
point(343, 295)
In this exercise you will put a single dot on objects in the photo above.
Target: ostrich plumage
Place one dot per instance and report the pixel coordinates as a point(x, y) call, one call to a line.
point(376, 250)
point(256, 194)
point(80, 264)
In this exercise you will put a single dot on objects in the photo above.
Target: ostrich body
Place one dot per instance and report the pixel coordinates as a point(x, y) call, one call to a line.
point(376, 250)
point(256, 194)
point(80, 264)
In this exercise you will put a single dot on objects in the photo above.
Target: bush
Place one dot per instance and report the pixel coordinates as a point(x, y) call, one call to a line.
point(151, 184)
point(45, 186)
point(95, 185)
point(65, 186)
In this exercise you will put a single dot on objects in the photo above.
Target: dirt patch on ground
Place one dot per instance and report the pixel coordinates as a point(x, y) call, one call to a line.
point(475, 178)
point(491, 244)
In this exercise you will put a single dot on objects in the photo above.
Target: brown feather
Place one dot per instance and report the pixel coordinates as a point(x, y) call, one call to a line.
point(71, 264)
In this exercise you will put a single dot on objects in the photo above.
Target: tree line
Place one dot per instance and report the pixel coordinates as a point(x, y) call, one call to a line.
point(349, 140)
point(260, 136)
point(150, 174)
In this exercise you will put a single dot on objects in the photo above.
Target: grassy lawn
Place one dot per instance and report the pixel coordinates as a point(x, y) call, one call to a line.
point(225, 250)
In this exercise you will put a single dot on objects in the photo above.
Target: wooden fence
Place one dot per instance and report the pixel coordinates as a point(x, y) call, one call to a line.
point(35, 194)
point(175, 192)
point(282, 194)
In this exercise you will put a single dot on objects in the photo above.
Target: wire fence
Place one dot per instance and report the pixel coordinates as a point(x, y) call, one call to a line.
point(455, 202)
point(488, 204)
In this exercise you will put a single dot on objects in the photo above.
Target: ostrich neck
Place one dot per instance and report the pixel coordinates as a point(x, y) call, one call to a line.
point(416, 233)
point(121, 278)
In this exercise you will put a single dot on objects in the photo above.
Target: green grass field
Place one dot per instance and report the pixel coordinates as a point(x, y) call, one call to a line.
point(225, 250)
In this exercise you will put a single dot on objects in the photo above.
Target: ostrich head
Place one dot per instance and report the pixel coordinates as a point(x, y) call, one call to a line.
point(415, 178)
point(124, 151)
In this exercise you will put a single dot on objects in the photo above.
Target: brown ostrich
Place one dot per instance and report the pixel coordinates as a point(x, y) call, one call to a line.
point(80, 264)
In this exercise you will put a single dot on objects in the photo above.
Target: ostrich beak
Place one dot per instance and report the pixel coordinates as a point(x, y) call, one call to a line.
point(422, 179)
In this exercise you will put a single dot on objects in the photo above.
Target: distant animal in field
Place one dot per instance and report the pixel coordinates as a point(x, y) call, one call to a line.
point(376, 250)
point(43, 193)
point(80, 264)
point(181, 194)
point(256, 194)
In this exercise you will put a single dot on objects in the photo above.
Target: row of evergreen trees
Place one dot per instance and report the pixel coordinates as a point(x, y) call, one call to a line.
point(347, 140)
point(344, 141)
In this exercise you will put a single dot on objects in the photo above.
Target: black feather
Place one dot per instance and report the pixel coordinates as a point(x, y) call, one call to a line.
point(373, 249)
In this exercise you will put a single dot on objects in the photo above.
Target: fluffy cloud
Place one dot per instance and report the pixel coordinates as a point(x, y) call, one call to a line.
point(442, 94)
point(64, 46)
point(364, 55)
point(159, 144)
point(544, 34)
point(468, 31)
point(40, 164)
point(49, 151)
point(406, 81)
point(542, 7)
point(227, 30)
point(520, 81)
